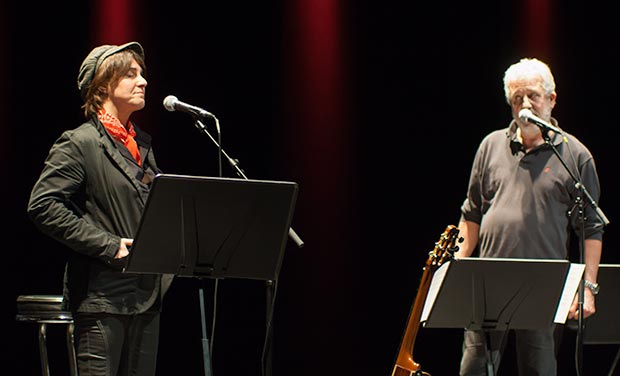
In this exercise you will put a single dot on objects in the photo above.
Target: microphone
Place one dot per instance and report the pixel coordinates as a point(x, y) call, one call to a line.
point(527, 115)
point(172, 103)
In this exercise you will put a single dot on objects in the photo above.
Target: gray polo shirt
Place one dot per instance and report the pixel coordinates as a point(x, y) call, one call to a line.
point(522, 200)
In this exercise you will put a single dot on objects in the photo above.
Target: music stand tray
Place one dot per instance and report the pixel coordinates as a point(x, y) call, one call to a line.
point(213, 227)
point(500, 293)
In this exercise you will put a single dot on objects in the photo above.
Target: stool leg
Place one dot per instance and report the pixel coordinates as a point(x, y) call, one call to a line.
point(43, 349)
point(71, 349)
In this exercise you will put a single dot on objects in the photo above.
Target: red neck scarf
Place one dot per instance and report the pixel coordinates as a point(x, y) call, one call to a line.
point(118, 131)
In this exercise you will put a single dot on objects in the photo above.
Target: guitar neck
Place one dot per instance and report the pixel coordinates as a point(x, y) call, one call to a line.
point(404, 360)
point(443, 251)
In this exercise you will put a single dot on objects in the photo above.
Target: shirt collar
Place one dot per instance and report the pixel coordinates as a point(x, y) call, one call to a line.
point(511, 132)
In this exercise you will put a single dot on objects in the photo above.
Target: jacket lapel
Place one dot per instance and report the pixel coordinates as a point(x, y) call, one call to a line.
point(116, 157)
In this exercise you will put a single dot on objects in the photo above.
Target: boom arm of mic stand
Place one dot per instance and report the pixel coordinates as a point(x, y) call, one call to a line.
point(235, 165)
point(591, 201)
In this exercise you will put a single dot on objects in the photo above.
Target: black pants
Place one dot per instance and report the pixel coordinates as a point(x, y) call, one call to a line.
point(116, 345)
point(536, 353)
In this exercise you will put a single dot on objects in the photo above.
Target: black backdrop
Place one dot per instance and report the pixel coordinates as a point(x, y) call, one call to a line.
point(424, 86)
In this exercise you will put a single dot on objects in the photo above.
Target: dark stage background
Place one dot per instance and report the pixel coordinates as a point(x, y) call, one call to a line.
point(374, 108)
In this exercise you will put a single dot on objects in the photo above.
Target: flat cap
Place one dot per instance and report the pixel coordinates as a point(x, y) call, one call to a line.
point(93, 61)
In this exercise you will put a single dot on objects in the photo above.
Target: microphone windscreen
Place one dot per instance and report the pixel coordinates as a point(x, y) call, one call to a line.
point(525, 113)
point(169, 102)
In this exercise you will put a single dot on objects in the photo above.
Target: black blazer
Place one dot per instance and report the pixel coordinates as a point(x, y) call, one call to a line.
point(89, 195)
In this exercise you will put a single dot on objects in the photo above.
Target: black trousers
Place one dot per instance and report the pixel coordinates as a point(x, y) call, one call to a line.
point(116, 345)
point(536, 352)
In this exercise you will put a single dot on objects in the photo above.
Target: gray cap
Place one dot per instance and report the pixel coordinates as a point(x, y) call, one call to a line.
point(96, 57)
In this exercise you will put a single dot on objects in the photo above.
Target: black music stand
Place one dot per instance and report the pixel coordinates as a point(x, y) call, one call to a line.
point(602, 328)
point(499, 294)
point(208, 227)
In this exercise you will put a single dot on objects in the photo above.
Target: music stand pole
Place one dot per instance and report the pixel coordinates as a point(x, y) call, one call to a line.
point(206, 353)
point(614, 363)
point(268, 356)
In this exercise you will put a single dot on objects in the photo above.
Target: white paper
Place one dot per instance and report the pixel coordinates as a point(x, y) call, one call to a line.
point(433, 290)
point(573, 278)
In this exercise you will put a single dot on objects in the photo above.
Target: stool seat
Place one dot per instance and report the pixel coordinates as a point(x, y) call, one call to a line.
point(43, 310)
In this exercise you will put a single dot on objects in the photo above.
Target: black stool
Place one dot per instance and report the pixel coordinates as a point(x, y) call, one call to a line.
point(43, 310)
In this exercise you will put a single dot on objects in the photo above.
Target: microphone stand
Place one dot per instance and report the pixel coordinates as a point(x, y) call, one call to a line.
point(580, 204)
point(270, 285)
point(206, 347)
point(235, 165)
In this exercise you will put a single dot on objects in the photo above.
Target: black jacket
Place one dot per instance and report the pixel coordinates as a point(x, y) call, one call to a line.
point(89, 195)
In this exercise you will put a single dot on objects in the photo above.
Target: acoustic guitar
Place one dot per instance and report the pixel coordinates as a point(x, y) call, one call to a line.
point(443, 252)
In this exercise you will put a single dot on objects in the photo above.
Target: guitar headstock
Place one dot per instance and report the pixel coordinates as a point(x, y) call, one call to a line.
point(445, 247)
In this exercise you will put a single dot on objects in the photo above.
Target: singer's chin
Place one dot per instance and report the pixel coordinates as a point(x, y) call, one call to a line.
point(138, 103)
point(529, 129)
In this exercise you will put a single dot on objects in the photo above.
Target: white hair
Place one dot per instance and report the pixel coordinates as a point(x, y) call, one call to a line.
point(528, 68)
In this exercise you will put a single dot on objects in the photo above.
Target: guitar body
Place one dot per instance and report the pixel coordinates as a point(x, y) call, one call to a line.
point(443, 252)
point(412, 370)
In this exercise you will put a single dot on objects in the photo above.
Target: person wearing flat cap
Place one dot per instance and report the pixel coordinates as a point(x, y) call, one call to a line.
point(90, 196)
